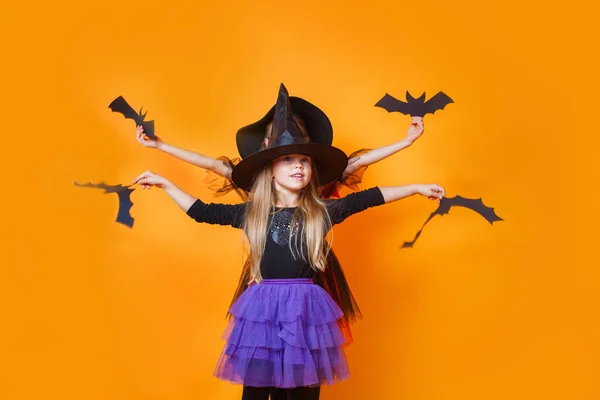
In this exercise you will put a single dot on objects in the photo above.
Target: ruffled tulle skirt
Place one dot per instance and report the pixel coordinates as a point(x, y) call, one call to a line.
point(283, 333)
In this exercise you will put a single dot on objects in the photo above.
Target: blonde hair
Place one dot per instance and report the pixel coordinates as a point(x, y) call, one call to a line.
point(311, 214)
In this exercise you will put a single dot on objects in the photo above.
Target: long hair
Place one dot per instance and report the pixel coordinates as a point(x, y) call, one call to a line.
point(308, 243)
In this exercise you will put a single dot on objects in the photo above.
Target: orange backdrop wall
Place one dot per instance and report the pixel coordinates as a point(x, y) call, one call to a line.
point(93, 310)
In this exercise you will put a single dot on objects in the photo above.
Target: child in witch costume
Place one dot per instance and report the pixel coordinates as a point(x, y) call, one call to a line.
point(316, 125)
point(284, 332)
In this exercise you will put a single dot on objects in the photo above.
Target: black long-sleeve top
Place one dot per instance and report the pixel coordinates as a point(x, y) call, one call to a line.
point(278, 261)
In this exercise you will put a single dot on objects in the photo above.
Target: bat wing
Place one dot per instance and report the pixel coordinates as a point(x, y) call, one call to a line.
point(437, 102)
point(123, 215)
point(412, 243)
point(439, 211)
point(100, 185)
point(148, 128)
point(476, 205)
point(121, 106)
point(446, 203)
point(392, 104)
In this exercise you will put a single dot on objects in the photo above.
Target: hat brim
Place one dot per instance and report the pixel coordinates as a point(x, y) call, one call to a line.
point(249, 139)
point(329, 161)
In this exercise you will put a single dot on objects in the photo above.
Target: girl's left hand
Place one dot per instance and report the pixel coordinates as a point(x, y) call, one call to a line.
point(149, 179)
point(146, 141)
point(432, 191)
point(416, 129)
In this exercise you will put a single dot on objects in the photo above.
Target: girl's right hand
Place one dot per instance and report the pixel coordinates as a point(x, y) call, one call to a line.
point(431, 191)
point(416, 129)
point(146, 141)
point(149, 179)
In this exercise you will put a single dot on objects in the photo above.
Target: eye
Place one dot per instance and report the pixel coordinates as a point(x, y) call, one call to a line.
point(305, 160)
point(287, 158)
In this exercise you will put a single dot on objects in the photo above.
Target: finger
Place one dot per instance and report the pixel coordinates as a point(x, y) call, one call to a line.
point(144, 183)
point(144, 177)
point(139, 177)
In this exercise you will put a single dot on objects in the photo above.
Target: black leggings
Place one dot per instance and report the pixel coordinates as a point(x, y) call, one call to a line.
point(299, 393)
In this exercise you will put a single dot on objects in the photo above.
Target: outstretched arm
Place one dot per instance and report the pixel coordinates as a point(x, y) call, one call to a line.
point(197, 159)
point(393, 193)
point(371, 157)
point(356, 202)
point(181, 198)
point(211, 213)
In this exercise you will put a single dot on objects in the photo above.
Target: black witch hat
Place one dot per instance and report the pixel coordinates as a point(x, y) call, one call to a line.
point(249, 139)
point(286, 137)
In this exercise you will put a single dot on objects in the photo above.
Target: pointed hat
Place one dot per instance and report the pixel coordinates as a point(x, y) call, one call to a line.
point(286, 137)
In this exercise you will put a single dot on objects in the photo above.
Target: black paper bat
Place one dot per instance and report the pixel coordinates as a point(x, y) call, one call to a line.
point(121, 106)
point(415, 107)
point(125, 204)
point(446, 203)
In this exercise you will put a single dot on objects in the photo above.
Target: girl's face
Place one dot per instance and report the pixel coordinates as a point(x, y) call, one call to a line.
point(292, 171)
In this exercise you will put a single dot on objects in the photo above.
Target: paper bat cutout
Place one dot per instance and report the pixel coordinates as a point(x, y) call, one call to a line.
point(415, 107)
point(121, 106)
point(125, 204)
point(446, 203)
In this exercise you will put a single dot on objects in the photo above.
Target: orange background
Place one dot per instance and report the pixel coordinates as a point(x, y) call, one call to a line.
point(93, 310)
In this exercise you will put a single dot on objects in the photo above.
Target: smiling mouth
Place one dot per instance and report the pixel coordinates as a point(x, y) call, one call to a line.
point(299, 176)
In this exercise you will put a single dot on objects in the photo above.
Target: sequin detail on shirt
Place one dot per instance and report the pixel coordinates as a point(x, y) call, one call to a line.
point(280, 226)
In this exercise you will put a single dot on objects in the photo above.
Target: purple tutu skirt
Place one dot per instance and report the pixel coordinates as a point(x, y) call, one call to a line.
point(283, 333)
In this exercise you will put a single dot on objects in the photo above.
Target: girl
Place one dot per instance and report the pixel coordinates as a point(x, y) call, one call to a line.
point(284, 332)
point(250, 139)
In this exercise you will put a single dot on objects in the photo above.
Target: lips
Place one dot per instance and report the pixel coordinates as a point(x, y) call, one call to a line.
point(299, 176)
